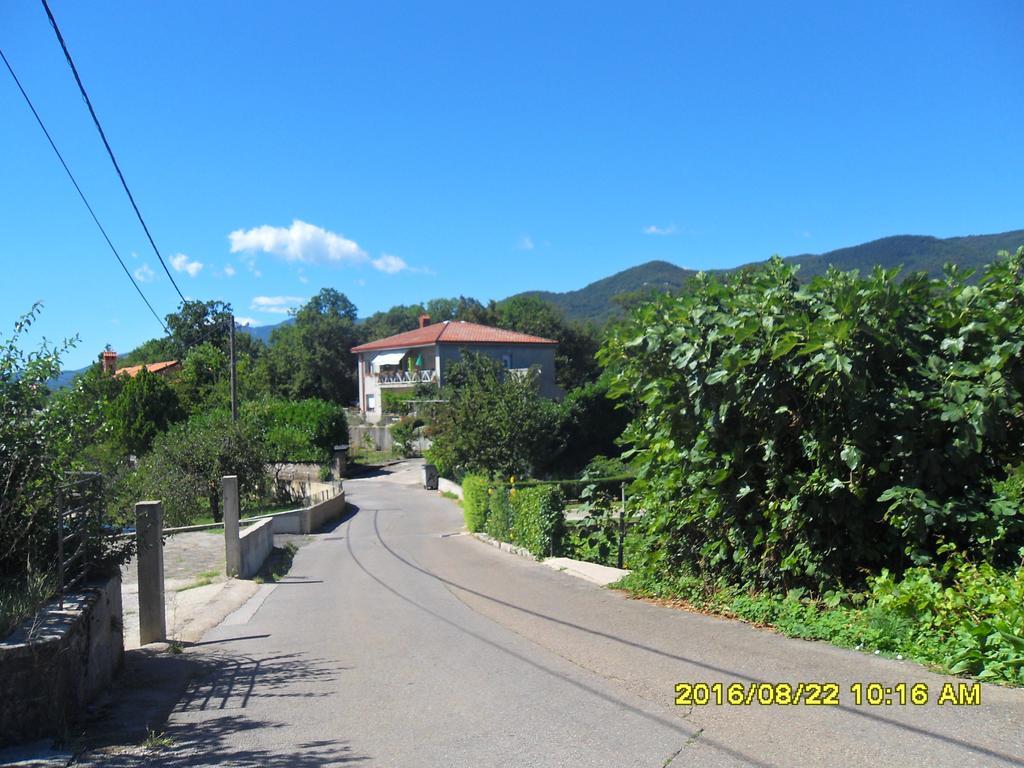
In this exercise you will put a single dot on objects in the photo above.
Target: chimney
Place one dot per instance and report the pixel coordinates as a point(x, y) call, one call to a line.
point(424, 321)
point(109, 358)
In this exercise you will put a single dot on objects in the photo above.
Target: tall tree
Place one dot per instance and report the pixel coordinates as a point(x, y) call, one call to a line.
point(196, 322)
point(312, 357)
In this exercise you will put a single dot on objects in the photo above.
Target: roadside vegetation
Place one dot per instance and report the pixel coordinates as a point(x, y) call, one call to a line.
point(839, 459)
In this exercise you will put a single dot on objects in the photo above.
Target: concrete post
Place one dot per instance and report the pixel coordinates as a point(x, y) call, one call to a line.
point(232, 544)
point(340, 461)
point(149, 527)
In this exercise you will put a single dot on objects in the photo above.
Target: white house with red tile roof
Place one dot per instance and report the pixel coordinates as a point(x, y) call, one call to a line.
point(422, 355)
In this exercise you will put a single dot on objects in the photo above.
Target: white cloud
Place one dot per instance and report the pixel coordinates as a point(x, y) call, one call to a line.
point(653, 229)
point(278, 305)
point(144, 274)
point(300, 242)
point(239, 320)
point(229, 271)
point(525, 243)
point(390, 264)
point(183, 263)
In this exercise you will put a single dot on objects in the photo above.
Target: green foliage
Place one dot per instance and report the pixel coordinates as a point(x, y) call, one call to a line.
point(499, 512)
point(475, 501)
point(404, 434)
point(792, 434)
point(202, 371)
point(589, 424)
point(538, 519)
point(146, 406)
point(311, 358)
point(491, 422)
point(185, 466)
point(297, 430)
point(38, 438)
point(962, 617)
point(198, 322)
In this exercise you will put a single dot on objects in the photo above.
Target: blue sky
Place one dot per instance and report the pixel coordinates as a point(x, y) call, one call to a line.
point(402, 151)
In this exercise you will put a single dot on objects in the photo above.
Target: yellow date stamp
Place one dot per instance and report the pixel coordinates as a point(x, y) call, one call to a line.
point(827, 694)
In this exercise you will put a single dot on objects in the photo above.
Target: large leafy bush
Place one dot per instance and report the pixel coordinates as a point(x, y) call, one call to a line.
point(297, 430)
point(793, 434)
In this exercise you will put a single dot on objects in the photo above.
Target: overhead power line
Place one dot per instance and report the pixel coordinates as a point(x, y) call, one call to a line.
point(96, 121)
point(81, 194)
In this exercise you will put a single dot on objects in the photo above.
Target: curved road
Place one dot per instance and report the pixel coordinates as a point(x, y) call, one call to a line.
point(396, 640)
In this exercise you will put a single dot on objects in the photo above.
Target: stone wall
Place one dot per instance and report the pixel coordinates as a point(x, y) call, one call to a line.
point(57, 661)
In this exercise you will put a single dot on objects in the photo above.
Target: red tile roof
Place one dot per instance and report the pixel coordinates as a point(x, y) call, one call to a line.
point(161, 367)
point(452, 332)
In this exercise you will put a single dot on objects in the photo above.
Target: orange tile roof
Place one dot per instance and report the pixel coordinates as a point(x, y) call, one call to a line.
point(452, 332)
point(133, 370)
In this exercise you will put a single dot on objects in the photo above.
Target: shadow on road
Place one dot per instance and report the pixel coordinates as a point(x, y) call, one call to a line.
point(131, 728)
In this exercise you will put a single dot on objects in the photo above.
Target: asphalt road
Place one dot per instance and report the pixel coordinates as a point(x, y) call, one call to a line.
point(398, 641)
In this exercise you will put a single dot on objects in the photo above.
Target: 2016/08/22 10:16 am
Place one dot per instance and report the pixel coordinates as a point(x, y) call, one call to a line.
point(825, 694)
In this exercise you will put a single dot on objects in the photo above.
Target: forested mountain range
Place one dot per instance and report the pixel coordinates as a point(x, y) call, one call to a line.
point(595, 302)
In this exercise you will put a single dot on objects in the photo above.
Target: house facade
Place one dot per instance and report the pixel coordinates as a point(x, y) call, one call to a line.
point(423, 355)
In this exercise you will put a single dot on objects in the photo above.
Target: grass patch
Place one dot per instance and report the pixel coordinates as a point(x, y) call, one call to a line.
point(453, 496)
point(203, 579)
point(22, 597)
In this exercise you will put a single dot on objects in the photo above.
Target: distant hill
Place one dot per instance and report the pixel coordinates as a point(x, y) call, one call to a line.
point(595, 302)
point(262, 332)
point(915, 253)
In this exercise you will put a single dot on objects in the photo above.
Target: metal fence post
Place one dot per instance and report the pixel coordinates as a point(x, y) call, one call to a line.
point(622, 523)
point(149, 523)
point(232, 544)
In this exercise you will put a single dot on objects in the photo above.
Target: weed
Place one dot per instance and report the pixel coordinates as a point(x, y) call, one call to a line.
point(156, 741)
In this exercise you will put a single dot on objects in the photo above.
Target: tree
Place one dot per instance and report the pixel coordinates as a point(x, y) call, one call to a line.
point(460, 308)
point(196, 322)
point(146, 406)
point(187, 462)
point(202, 370)
point(396, 320)
point(312, 357)
point(491, 422)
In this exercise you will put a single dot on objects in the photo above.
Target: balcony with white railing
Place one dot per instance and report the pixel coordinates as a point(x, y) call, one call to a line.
point(406, 378)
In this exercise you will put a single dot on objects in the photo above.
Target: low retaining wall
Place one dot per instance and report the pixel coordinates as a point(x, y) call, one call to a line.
point(56, 662)
point(256, 542)
point(309, 519)
point(444, 485)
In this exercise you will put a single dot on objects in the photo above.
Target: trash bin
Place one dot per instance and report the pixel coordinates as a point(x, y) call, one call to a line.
point(430, 477)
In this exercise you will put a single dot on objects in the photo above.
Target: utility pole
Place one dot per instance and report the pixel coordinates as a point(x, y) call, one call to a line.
point(234, 380)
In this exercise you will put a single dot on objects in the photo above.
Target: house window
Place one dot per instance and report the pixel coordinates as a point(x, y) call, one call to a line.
point(506, 361)
point(371, 402)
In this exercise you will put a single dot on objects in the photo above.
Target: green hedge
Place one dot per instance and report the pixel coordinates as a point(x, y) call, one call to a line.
point(538, 521)
point(499, 513)
point(474, 501)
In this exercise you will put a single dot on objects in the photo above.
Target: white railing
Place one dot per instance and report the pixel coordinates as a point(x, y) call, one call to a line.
point(407, 377)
